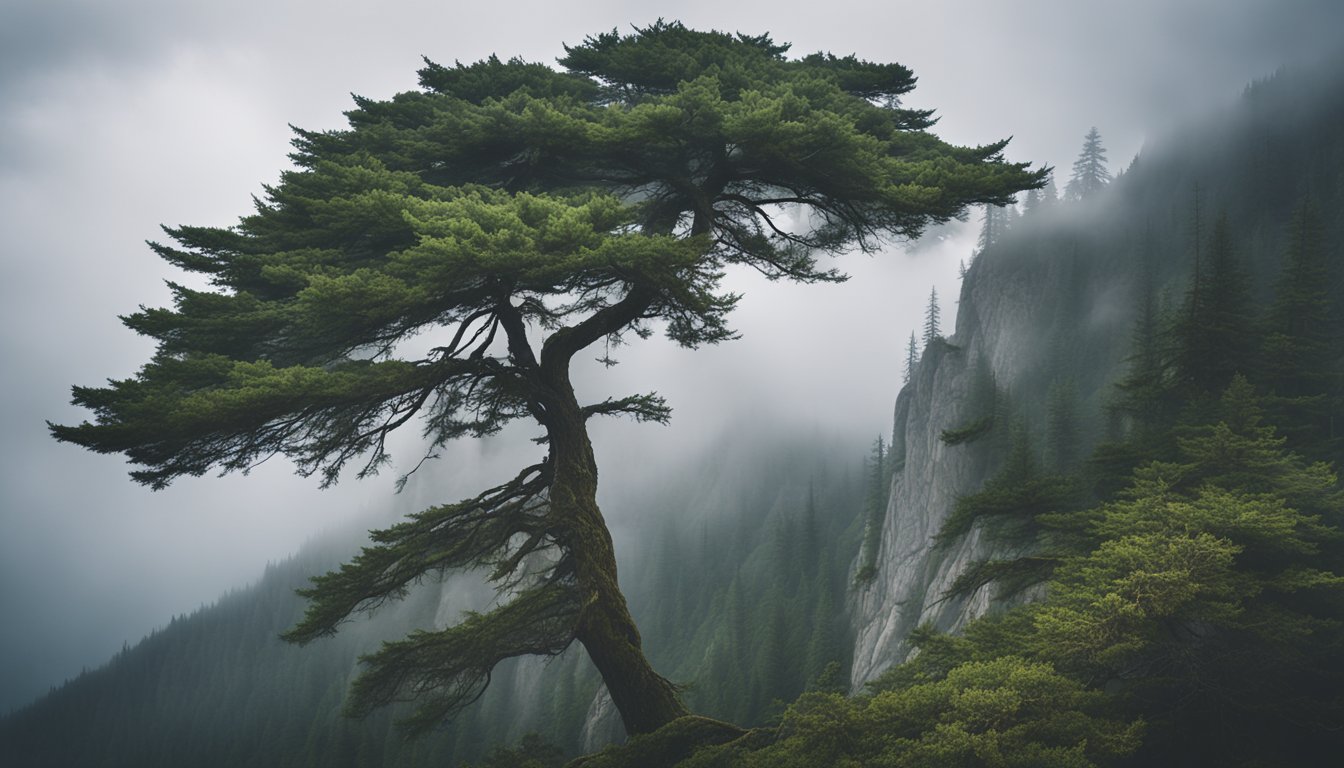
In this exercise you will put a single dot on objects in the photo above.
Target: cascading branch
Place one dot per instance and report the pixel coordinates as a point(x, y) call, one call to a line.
point(507, 216)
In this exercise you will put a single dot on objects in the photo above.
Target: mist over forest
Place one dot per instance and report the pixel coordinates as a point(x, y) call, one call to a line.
point(1132, 365)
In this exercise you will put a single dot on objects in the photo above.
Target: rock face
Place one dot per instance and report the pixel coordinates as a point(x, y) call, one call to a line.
point(602, 725)
point(1028, 317)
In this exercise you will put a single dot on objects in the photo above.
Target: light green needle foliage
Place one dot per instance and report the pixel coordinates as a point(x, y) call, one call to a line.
point(1006, 713)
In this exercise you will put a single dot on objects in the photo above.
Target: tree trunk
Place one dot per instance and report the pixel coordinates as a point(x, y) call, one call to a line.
point(645, 699)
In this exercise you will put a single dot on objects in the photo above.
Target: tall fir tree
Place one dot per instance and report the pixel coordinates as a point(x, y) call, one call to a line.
point(911, 357)
point(1049, 194)
point(993, 223)
point(1090, 174)
point(1298, 340)
point(932, 329)
point(1214, 331)
point(1031, 202)
point(1300, 352)
point(875, 509)
point(1143, 395)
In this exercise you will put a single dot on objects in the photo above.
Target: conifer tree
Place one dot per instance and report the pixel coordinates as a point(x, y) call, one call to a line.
point(911, 358)
point(516, 215)
point(875, 508)
point(1144, 393)
point(932, 332)
point(1213, 334)
point(1300, 348)
point(992, 225)
point(1049, 194)
point(1089, 170)
point(1031, 202)
point(1063, 428)
point(1298, 333)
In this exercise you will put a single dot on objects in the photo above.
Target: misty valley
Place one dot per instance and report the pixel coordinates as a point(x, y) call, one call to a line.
point(1104, 526)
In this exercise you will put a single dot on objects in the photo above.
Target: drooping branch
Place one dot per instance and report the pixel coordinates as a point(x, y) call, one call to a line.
point(446, 670)
point(650, 407)
point(472, 533)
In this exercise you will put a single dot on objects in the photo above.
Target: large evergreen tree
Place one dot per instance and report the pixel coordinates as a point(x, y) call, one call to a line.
point(1298, 334)
point(1300, 358)
point(514, 215)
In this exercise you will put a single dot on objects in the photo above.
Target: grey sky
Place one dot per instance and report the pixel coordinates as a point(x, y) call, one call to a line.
point(116, 117)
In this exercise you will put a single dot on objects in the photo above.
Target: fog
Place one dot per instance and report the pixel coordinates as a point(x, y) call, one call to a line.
point(115, 118)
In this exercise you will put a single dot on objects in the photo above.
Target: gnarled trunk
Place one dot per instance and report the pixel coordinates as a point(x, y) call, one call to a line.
point(645, 699)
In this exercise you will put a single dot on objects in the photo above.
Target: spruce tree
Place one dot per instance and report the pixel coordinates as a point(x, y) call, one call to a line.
point(1089, 170)
point(1214, 331)
point(932, 332)
point(514, 215)
point(992, 225)
point(1297, 344)
point(911, 358)
point(1300, 348)
point(1049, 194)
point(1144, 393)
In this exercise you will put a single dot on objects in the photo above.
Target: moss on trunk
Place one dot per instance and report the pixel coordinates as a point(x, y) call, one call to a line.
point(646, 700)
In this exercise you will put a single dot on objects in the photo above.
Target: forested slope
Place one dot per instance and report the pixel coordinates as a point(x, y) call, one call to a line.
point(1057, 312)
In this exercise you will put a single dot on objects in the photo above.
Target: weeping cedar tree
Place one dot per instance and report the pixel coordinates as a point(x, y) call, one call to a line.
point(520, 214)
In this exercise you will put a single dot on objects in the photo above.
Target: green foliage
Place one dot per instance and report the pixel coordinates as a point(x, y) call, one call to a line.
point(1207, 599)
point(984, 398)
point(1213, 332)
point(1301, 362)
point(1200, 589)
point(1014, 499)
point(1005, 712)
point(969, 433)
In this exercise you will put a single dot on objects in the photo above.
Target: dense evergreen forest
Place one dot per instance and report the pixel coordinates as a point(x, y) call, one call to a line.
point(1179, 519)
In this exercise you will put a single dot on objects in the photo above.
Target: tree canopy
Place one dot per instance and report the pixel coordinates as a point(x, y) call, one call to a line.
point(440, 262)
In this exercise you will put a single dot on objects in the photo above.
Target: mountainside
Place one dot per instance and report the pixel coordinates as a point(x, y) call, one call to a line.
point(1045, 315)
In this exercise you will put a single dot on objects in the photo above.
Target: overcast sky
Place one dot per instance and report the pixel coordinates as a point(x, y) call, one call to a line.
point(116, 117)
